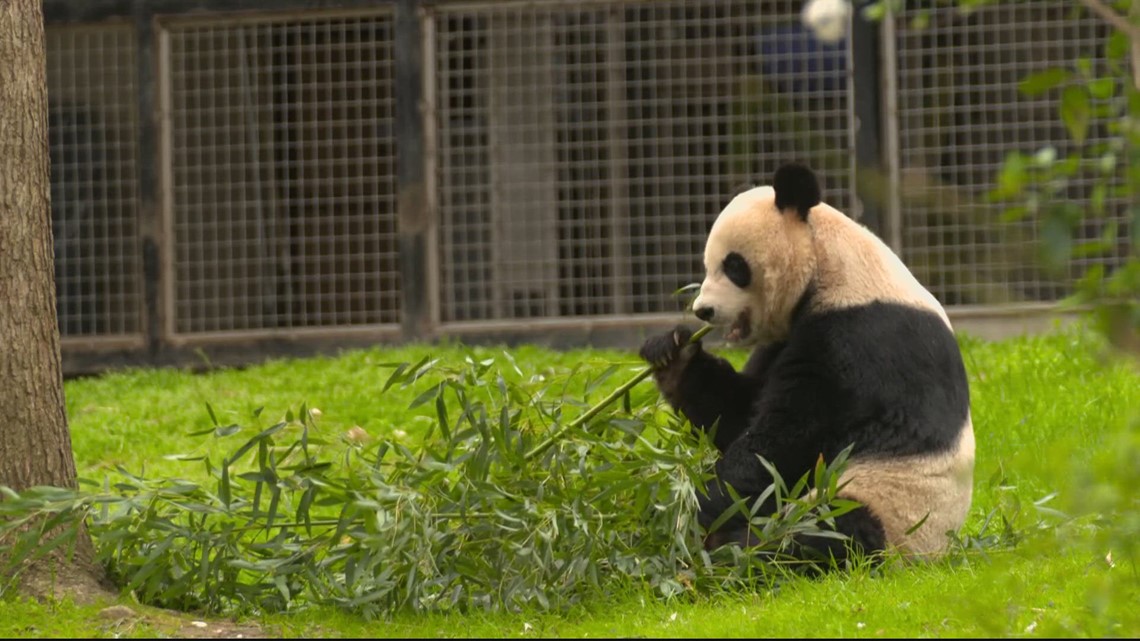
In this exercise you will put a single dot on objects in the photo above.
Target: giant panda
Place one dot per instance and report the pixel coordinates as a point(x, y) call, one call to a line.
point(849, 349)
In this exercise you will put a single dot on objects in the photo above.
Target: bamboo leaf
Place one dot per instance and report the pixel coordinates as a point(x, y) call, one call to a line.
point(441, 415)
point(224, 484)
point(227, 430)
point(1075, 111)
point(303, 508)
point(427, 395)
point(395, 377)
point(213, 417)
point(914, 528)
point(1038, 83)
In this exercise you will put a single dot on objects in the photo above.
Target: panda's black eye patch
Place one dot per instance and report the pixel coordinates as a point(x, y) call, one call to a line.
point(737, 270)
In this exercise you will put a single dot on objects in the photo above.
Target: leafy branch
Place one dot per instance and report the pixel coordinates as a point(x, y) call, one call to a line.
point(469, 519)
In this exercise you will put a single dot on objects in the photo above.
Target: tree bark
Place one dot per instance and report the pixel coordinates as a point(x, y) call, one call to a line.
point(35, 445)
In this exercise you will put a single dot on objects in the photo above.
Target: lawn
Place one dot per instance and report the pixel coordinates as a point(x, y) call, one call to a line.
point(1045, 409)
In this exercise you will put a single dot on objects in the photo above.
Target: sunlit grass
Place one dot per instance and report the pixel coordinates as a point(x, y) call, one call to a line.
point(1041, 407)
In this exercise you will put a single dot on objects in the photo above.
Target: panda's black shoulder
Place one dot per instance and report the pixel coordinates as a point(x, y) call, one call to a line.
point(892, 367)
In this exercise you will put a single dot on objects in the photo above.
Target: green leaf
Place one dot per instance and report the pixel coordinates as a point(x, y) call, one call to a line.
point(1014, 214)
point(1057, 240)
point(395, 377)
point(1106, 164)
point(605, 375)
point(738, 506)
point(820, 469)
point(1013, 177)
point(274, 501)
point(1069, 166)
point(1118, 45)
point(914, 528)
point(427, 395)
point(261, 436)
point(184, 457)
point(303, 508)
point(687, 289)
point(1038, 83)
point(1075, 111)
point(441, 414)
point(921, 20)
point(875, 12)
point(1097, 198)
point(1084, 66)
point(1102, 88)
point(213, 417)
point(224, 484)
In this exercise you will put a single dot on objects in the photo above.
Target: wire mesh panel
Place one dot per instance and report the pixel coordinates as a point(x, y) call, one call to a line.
point(585, 148)
point(92, 130)
point(283, 173)
point(961, 112)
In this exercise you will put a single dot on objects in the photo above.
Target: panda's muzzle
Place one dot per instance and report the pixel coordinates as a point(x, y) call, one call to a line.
point(741, 328)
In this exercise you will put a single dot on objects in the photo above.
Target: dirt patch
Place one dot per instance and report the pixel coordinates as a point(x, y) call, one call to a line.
point(122, 620)
point(50, 579)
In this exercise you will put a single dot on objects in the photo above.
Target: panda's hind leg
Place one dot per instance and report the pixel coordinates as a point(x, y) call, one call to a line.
point(865, 536)
point(864, 531)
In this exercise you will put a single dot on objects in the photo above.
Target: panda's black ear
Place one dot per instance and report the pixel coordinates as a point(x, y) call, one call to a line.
point(796, 188)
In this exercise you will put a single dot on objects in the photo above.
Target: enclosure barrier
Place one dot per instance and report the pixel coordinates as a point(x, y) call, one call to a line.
point(230, 183)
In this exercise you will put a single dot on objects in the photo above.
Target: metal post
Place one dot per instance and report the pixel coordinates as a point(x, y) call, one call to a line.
point(893, 156)
point(150, 213)
point(414, 225)
point(868, 118)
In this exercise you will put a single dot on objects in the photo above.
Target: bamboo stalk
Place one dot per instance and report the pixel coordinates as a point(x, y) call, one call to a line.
point(603, 404)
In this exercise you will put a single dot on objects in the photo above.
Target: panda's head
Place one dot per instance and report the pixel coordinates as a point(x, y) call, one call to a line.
point(759, 259)
point(777, 249)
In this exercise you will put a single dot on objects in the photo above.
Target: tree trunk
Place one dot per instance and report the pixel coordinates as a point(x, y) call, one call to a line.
point(35, 446)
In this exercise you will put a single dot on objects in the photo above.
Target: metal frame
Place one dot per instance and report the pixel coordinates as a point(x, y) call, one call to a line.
point(413, 252)
point(890, 71)
point(137, 338)
point(622, 303)
point(426, 111)
point(419, 208)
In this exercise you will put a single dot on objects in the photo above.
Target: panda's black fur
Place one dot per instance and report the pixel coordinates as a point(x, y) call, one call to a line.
point(882, 372)
point(796, 189)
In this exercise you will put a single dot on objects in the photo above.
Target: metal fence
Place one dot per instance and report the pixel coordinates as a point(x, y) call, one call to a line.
point(960, 113)
point(254, 183)
point(93, 125)
point(584, 148)
point(281, 173)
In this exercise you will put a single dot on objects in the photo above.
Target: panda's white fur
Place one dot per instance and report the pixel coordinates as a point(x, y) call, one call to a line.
point(817, 263)
point(850, 265)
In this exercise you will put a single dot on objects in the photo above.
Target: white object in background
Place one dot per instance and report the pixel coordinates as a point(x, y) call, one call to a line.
point(827, 19)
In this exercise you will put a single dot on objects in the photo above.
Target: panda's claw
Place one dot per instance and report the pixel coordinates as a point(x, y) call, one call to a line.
point(664, 350)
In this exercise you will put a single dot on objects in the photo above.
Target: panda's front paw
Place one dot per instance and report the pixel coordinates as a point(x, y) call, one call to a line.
point(670, 349)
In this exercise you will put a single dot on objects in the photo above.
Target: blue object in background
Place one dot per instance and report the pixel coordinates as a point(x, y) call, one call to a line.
point(796, 62)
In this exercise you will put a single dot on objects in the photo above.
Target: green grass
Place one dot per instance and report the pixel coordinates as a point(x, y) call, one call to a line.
point(1042, 408)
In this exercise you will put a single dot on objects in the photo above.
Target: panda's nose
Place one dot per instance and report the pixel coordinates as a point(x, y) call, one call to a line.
point(704, 313)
